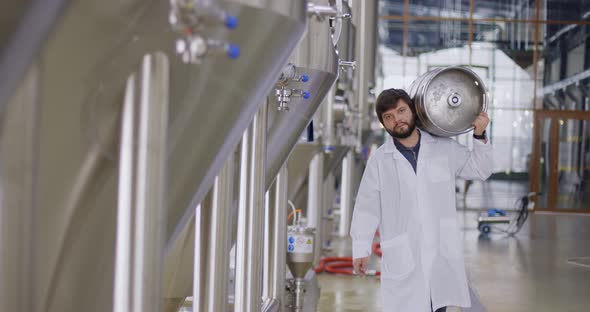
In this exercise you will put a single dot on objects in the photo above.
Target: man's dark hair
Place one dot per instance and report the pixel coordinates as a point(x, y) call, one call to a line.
point(388, 99)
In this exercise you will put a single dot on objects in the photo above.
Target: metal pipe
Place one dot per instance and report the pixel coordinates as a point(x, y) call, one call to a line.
point(142, 183)
point(315, 200)
point(18, 149)
point(251, 216)
point(365, 12)
point(329, 120)
point(275, 239)
point(212, 244)
point(328, 219)
point(346, 194)
point(271, 305)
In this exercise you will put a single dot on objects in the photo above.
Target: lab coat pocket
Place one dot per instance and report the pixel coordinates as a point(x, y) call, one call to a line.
point(450, 239)
point(438, 169)
point(397, 261)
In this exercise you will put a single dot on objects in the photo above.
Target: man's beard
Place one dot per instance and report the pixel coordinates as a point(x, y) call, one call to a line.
point(403, 133)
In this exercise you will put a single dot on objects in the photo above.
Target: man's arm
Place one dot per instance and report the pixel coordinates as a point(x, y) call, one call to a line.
point(476, 164)
point(366, 216)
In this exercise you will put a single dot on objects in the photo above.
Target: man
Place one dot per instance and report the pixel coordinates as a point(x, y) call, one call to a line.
point(408, 192)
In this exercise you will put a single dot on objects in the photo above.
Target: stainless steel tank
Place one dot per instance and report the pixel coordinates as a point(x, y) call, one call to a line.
point(300, 256)
point(85, 60)
point(448, 100)
point(300, 245)
point(316, 58)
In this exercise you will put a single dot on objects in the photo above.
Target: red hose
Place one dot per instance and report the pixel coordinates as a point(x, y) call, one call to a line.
point(342, 265)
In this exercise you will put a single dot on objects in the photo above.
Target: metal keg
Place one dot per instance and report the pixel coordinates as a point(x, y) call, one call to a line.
point(448, 100)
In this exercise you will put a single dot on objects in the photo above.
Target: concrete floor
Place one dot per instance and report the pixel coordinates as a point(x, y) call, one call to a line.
point(528, 272)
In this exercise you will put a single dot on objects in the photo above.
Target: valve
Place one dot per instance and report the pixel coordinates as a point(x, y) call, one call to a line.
point(290, 73)
point(190, 19)
point(193, 48)
point(323, 11)
point(284, 95)
point(347, 64)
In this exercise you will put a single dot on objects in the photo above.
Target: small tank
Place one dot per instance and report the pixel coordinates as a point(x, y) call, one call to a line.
point(300, 250)
point(448, 100)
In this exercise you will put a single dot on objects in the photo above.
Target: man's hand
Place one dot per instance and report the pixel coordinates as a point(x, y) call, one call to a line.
point(480, 123)
point(360, 265)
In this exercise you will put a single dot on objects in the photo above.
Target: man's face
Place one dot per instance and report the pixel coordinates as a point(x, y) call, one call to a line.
point(399, 121)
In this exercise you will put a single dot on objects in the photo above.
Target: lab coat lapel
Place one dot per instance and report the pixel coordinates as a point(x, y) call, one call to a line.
point(404, 171)
point(427, 151)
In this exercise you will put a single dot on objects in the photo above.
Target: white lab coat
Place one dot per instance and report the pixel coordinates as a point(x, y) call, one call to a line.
point(416, 216)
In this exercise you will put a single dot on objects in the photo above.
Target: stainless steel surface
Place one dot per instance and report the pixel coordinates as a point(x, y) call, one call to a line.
point(271, 305)
point(327, 227)
point(298, 164)
point(365, 13)
point(277, 40)
point(18, 144)
point(304, 293)
point(251, 216)
point(142, 182)
point(275, 237)
point(328, 131)
point(87, 56)
point(346, 48)
point(315, 202)
point(346, 194)
point(299, 257)
point(448, 100)
point(24, 26)
point(316, 57)
point(212, 244)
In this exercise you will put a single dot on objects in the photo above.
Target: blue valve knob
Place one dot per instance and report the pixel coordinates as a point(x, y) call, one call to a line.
point(231, 22)
point(304, 78)
point(306, 95)
point(328, 148)
point(233, 51)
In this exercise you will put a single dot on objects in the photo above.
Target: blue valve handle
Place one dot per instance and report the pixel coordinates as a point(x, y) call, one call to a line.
point(233, 51)
point(304, 78)
point(231, 21)
point(306, 95)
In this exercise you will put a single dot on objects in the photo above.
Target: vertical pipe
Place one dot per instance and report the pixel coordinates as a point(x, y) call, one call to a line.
point(328, 224)
point(18, 141)
point(142, 183)
point(364, 10)
point(242, 239)
point(251, 216)
point(345, 194)
point(329, 119)
point(212, 244)
point(315, 201)
point(276, 240)
point(471, 6)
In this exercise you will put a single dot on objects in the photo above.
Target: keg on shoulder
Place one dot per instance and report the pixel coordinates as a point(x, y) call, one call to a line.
point(448, 100)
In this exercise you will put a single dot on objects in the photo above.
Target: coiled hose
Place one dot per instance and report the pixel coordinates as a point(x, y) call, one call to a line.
point(343, 265)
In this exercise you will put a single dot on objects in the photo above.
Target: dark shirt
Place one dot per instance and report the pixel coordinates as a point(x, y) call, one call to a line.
point(411, 154)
